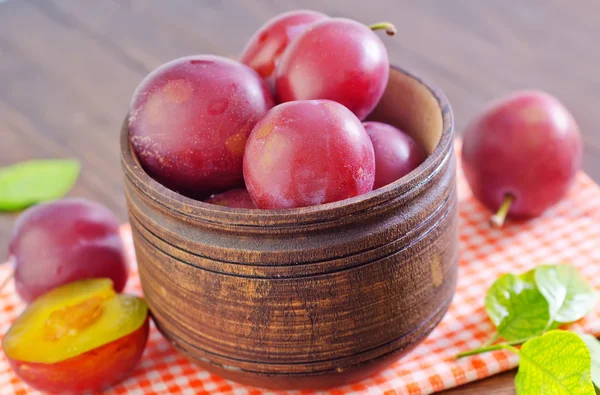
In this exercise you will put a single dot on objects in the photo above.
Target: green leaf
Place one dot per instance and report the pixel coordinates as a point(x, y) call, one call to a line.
point(517, 308)
point(569, 295)
point(593, 346)
point(27, 183)
point(556, 363)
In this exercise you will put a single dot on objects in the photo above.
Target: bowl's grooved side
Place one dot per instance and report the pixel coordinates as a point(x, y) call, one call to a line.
point(280, 271)
point(294, 318)
point(311, 367)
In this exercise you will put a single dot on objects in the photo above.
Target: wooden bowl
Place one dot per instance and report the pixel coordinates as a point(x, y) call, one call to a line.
point(312, 297)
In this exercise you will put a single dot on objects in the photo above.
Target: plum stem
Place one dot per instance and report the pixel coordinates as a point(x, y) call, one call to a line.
point(390, 29)
point(7, 280)
point(497, 220)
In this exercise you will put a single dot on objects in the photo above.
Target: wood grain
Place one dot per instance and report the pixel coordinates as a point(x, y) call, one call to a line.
point(68, 68)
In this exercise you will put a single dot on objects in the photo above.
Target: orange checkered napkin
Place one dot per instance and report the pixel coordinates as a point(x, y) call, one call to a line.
point(570, 232)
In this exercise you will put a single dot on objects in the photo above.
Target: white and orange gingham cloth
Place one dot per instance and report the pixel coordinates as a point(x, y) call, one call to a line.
point(569, 233)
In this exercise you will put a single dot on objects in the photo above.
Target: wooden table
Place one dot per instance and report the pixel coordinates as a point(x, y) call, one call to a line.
point(68, 69)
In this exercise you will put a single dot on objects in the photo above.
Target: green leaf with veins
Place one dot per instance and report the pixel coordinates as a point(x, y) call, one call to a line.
point(569, 295)
point(593, 346)
point(517, 308)
point(556, 363)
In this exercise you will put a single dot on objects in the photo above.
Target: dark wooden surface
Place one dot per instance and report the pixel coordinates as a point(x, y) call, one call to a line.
point(68, 68)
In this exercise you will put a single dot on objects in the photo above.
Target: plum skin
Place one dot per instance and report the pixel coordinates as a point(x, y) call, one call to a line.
point(308, 152)
point(63, 241)
point(189, 120)
point(93, 370)
point(268, 43)
point(234, 198)
point(526, 145)
point(396, 153)
point(336, 59)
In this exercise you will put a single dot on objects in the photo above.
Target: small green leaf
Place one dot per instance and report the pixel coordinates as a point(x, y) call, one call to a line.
point(516, 307)
point(27, 183)
point(569, 295)
point(556, 363)
point(593, 346)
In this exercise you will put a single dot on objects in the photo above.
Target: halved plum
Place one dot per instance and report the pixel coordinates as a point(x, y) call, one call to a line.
point(81, 336)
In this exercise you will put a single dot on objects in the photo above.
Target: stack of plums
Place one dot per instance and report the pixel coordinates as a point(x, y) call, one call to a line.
point(282, 128)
